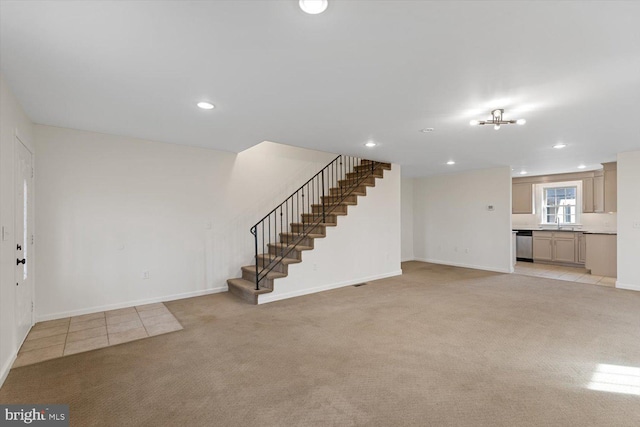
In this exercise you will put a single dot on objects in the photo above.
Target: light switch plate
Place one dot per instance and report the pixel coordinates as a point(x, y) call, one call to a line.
point(5, 234)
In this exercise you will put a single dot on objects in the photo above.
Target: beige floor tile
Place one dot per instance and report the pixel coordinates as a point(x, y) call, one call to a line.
point(146, 307)
point(123, 318)
point(152, 313)
point(47, 332)
point(88, 324)
point(571, 277)
point(163, 328)
point(121, 311)
point(43, 342)
point(39, 355)
point(126, 336)
point(607, 281)
point(150, 321)
point(86, 317)
point(125, 326)
point(588, 278)
point(86, 345)
point(86, 333)
point(51, 324)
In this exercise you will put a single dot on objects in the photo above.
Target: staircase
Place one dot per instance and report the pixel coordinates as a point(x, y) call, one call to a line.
point(291, 228)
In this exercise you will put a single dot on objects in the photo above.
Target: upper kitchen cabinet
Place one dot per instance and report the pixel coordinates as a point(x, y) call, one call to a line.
point(599, 189)
point(522, 198)
point(610, 187)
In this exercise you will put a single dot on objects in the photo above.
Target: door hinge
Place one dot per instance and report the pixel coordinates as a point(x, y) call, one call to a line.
point(32, 306)
point(32, 239)
point(31, 172)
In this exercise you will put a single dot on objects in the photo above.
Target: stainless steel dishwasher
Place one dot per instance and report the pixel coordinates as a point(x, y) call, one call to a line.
point(524, 245)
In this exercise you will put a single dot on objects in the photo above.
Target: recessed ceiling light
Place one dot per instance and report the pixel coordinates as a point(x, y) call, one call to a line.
point(560, 145)
point(425, 130)
point(581, 166)
point(523, 172)
point(451, 162)
point(370, 144)
point(206, 105)
point(313, 7)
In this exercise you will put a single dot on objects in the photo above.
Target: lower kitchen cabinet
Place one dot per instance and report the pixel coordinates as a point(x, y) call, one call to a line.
point(581, 248)
point(558, 246)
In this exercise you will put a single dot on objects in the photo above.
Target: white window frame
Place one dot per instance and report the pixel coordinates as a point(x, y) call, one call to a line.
point(540, 211)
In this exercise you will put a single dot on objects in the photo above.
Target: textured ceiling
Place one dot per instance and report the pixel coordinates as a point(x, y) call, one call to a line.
point(362, 70)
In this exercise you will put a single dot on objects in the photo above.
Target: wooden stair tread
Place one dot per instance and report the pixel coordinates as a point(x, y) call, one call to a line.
point(270, 275)
point(278, 258)
point(298, 235)
point(248, 286)
point(306, 224)
point(295, 247)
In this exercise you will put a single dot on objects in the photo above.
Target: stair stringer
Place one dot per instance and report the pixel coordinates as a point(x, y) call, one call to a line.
point(364, 246)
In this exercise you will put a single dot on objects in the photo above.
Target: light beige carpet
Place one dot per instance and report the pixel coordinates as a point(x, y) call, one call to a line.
point(437, 346)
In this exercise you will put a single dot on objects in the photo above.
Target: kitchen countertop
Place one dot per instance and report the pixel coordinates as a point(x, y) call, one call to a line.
point(565, 230)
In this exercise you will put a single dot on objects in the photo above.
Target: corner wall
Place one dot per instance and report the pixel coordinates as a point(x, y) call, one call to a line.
point(364, 246)
point(12, 120)
point(110, 208)
point(452, 223)
point(407, 219)
point(628, 217)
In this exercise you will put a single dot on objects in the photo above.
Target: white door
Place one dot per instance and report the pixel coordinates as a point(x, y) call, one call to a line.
point(24, 248)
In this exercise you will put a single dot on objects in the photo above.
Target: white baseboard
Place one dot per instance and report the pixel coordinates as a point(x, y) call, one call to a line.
point(463, 265)
point(627, 286)
point(7, 367)
point(266, 298)
point(408, 259)
point(98, 309)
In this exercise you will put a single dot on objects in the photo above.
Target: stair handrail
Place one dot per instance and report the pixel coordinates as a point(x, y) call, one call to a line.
point(334, 172)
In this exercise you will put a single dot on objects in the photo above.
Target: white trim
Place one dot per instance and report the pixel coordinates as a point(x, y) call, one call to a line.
point(7, 367)
point(266, 298)
point(463, 265)
point(627, 286)
point(408, 259)
point(98, 309)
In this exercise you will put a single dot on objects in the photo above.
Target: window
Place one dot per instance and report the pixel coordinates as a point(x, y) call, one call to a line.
point(559, 202)
point(559, 205)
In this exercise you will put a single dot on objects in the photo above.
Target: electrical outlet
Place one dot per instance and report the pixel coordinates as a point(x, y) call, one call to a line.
point(466, 250)
point(636, 224)
point(145, 274)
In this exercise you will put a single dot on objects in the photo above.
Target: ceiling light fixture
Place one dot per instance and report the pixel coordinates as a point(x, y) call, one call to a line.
point(451, 162)
point(581, 166)
point(559, 145)
point(313, 7)
point(523, 172)
point(370, 144)
point(206, 105)
point(426, 130)
point(497, 119)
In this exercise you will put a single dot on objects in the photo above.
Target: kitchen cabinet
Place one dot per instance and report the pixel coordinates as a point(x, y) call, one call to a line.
point(598, 192)
point(587, 195)
point(542, 246)
point(522, 198)
point(610, 187)
point(556, 246)
point(581, 248)
point(602, 255)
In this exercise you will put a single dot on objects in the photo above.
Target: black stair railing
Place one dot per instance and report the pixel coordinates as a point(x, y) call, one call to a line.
point(289, 224)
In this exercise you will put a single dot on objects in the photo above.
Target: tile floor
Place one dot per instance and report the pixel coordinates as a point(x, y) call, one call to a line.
point(571, 274)
point(62, 337)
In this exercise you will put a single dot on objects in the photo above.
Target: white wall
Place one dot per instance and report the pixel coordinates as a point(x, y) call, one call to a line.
point(407, 218)
point(453, 226)
point(110, 208)
point(364, 246)
point(12, 120)
point(628, 216)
